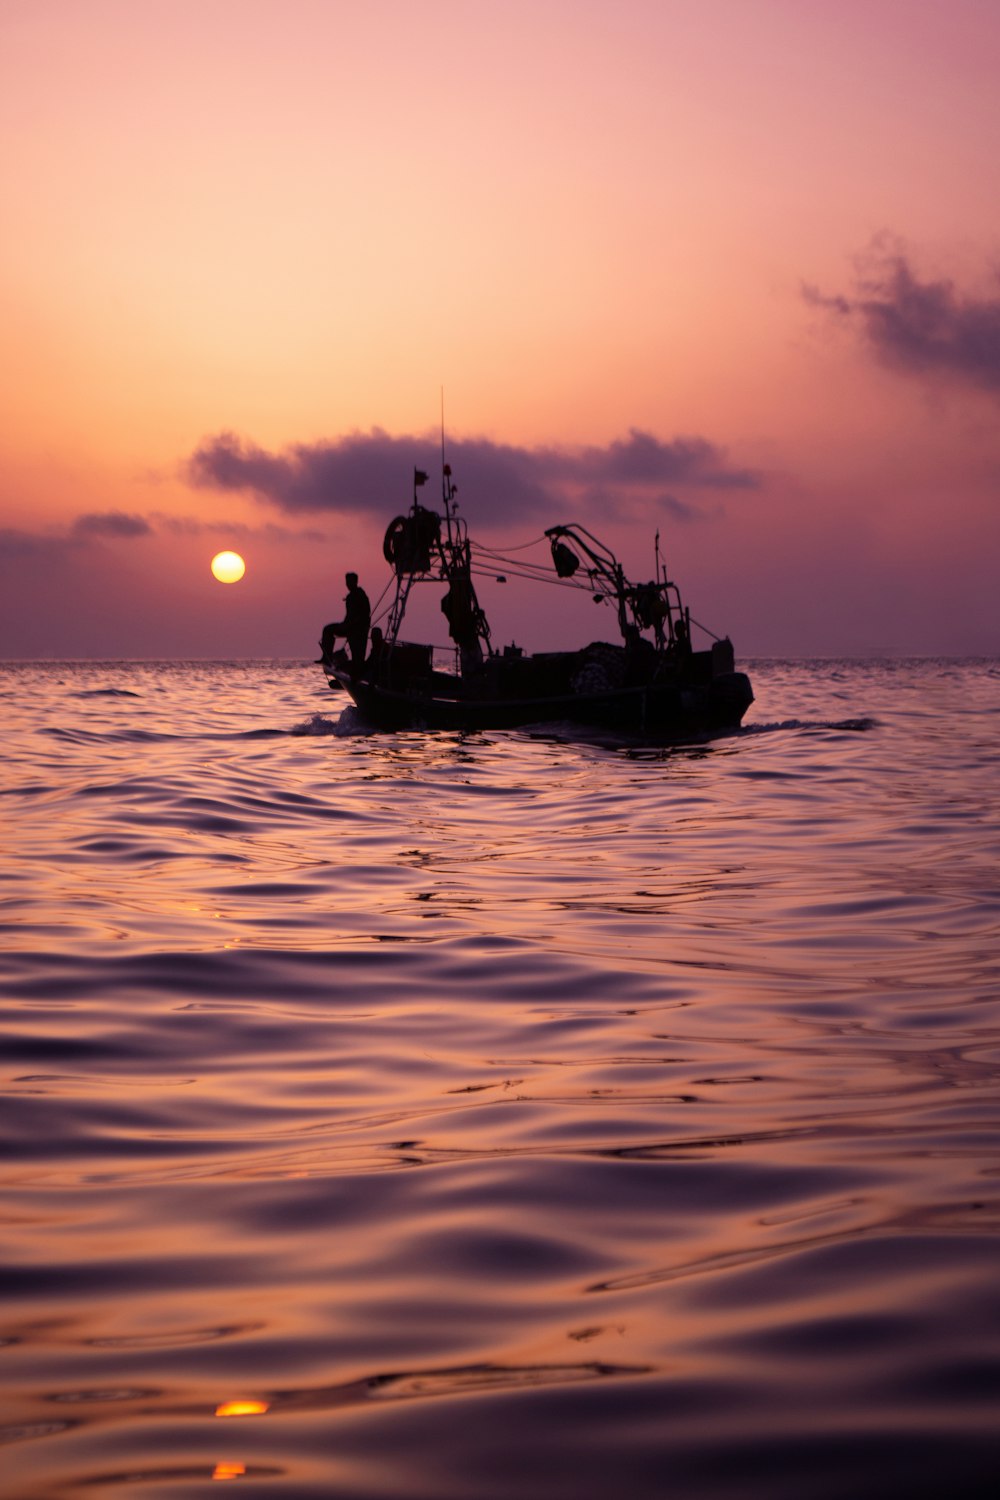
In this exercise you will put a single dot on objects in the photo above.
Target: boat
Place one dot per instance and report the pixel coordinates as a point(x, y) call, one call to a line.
point(651, 682)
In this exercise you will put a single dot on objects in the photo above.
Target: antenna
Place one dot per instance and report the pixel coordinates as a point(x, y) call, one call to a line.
point(443, 464)
point(447, 488)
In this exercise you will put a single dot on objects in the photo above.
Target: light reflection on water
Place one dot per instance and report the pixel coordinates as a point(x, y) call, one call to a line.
point(418, 1117)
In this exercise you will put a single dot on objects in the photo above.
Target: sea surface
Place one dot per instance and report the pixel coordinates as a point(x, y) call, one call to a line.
point(470, 1117)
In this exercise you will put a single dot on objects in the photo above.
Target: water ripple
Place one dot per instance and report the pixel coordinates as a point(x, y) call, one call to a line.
point(480, 1116)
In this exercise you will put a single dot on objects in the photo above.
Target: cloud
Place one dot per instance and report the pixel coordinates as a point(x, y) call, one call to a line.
point(111, 523)
point(237, 531)
point(369, 473)
point(642, 459)
point(57, 546)
point(15, 544)
point(117, 525)
point(629, 505)
point(84, 529)
point(919, 327)
point(354, 474)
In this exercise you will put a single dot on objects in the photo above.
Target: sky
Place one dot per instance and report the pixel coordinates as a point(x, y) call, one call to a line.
point(724, 269)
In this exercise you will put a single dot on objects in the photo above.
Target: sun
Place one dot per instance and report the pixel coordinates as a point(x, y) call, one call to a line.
point(228, 567)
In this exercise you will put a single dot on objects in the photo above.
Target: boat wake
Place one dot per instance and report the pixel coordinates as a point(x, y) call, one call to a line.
point(850, 726)
point(318, 725)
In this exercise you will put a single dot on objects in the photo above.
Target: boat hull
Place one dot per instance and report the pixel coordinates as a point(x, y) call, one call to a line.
point(661, 711)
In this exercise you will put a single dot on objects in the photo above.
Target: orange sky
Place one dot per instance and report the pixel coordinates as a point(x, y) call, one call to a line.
point(296, 220)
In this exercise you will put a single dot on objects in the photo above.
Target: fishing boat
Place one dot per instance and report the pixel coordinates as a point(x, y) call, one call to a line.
point(651, 682)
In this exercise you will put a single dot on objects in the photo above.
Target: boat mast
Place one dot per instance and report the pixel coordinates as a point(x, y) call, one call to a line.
point(467, 623)
point(404, 577)
point(420, 550)
point(444, 467)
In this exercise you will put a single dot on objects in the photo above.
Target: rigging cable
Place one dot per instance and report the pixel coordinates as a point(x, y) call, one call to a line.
point(558, 583)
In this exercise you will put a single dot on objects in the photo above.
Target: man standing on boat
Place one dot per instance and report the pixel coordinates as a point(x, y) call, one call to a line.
point(354, 625)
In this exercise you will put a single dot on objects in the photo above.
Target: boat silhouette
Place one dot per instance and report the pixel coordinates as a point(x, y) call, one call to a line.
point(652, 682)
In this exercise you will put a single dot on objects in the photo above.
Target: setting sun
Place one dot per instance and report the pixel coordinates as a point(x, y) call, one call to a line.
point(228, 567)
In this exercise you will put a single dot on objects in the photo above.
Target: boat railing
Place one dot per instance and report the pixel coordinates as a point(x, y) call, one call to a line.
point(446, 658)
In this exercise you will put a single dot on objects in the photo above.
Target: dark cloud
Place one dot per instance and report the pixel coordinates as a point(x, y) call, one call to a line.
point(17, 544)
point(919, 327)
point(111, 523)
point(86, 529)
point(678, 510)
point(55, 547)
point(370, 472)
point(645, 506)
point(355, 474)
point(815, 298)
point(642, 459)
point(236, 531)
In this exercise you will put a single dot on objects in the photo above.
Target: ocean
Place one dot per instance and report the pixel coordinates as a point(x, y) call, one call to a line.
point(504, 1115)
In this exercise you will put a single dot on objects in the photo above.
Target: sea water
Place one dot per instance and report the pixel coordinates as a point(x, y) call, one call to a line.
point(478, 1116)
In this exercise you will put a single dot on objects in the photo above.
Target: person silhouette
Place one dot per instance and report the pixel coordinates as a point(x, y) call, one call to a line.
point(354, 625)
point(682, 636)
point(375, 654)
